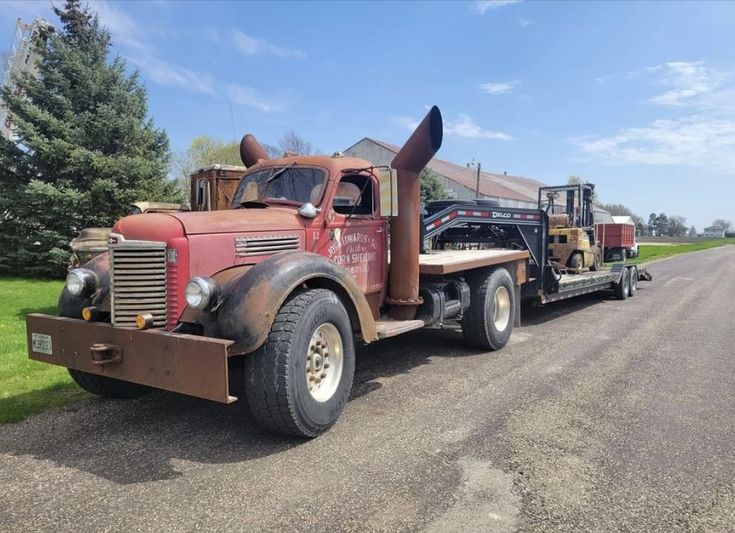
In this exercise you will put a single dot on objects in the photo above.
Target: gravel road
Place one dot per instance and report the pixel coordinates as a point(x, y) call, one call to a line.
point(599, 415)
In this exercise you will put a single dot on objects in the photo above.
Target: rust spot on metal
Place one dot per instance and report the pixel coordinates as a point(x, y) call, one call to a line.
point(404, 229)
point(251, 151)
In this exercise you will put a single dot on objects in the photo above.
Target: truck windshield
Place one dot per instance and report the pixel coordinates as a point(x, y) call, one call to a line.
point(296, 185)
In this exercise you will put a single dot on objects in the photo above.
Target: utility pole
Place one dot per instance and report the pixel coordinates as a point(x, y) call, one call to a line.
point(477, 166)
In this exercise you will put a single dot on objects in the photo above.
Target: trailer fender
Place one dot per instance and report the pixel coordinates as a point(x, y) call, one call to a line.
point(252, 300)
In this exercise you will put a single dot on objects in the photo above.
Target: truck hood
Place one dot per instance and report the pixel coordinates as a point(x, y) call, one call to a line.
point(239, 220)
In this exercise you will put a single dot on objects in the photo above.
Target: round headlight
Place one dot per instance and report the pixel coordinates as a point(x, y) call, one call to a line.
point(200, 292)
point(81, 282)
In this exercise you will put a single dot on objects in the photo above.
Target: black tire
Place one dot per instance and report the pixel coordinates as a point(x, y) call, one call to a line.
point(576, 262)
point(107, 387)
point(277, 374)
point(478, 326)
point(622, 289)
point(597, 262)
point(632, 282)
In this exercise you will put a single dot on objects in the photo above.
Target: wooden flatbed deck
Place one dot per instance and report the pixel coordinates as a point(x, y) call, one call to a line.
point(439, 262)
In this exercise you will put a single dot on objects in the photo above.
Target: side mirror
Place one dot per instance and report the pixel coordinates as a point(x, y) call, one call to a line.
point(388, 192)
point(308, 210)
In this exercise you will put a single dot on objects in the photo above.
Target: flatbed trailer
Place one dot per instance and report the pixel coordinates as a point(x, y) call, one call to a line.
point(502, 231)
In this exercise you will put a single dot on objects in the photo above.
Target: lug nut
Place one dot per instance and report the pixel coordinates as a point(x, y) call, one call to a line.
point(324, 375)
point(311, 378)
point(326, 365)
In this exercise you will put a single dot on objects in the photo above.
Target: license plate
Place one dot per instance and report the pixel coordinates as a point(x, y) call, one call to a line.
point(41, 343)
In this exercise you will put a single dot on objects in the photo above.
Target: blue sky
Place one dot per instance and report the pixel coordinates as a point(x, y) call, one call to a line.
point(636, 97)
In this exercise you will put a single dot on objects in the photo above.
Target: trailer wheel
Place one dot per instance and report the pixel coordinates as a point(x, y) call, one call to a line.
point(632, 281)
point(298, 382)
point(107, 387)
point(488, 322)
point(622, 289)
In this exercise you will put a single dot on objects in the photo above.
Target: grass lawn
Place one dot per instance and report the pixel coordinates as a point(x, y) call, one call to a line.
point(649, 252)
point(28, 387)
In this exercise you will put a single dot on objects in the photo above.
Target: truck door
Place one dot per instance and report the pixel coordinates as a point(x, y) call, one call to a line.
point(354, 235)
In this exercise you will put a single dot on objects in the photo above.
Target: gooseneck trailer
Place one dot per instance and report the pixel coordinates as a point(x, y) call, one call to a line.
point(318, 254)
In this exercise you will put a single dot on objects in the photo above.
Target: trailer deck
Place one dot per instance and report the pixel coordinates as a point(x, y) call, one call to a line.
point(441, 262)
point(587, 282)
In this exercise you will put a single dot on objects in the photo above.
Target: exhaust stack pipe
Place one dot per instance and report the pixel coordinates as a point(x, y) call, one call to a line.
point(251, 151)
point(405, 234)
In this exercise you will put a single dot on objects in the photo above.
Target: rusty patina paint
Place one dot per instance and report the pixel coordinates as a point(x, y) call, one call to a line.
point(251, 151)
point(253, 299)
point(197, 366)
point(404, 229)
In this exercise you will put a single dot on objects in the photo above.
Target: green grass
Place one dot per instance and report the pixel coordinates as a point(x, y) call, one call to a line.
point(650, 252)
point(28, 387)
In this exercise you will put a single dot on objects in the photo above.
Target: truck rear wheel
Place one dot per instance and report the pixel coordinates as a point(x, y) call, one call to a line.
point(623, 288)
point(298, 382)
point(488, 322)
point(107, 387)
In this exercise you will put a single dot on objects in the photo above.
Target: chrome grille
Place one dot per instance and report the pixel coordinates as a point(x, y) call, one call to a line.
point(138, 282)
point(249, 246)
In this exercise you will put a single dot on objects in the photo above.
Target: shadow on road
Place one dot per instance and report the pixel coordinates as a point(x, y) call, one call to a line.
point(141, 440)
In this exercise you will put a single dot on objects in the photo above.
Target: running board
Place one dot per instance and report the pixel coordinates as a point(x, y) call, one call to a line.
point(388, 327)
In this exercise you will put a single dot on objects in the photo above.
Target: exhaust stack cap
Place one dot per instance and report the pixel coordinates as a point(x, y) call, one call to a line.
point(423, 143)
point(251, 151)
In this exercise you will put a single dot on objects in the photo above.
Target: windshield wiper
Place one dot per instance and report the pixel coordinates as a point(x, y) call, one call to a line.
point(279, 172)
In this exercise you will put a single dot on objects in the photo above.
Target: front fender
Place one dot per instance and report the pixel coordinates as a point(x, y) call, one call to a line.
point(253, 299)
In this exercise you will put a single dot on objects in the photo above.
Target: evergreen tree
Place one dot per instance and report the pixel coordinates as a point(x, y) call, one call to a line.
point(431, 186)
point(85, 147)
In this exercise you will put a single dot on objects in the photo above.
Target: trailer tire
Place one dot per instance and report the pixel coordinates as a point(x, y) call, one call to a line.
point(488, 322)
point(632, 281)
point(309, 346)
point(107, 387)
point(622, 289)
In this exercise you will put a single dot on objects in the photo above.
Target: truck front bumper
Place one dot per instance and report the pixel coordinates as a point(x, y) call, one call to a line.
point(188, 364)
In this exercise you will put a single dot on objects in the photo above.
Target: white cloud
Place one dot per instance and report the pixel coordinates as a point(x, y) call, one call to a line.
point(407, 122)
point(464, 126)
point(250, 46)
point(502, 87)
point(483, 5)
point(133, 37)
point(696, 140)
point(525, 23)
point(699, 131)
point(686, 79)
point(241, 94)
point(166, 73)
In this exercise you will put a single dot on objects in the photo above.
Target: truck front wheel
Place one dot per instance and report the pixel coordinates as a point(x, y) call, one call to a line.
point(488, 322)
point(107, 387)
point(298, 382)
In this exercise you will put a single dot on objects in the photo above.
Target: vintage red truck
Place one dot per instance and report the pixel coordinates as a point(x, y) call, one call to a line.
point(289, 280)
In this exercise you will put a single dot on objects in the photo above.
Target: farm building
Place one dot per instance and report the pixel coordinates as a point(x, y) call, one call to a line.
point(459, 181)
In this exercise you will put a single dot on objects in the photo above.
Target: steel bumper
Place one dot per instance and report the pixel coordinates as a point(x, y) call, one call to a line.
point(187, 364)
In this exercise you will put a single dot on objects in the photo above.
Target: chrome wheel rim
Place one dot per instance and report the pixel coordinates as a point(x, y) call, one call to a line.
point(501, 310)
point(633, 282)
point(324, 361)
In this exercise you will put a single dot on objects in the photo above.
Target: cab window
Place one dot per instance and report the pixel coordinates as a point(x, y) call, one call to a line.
point(354, 196)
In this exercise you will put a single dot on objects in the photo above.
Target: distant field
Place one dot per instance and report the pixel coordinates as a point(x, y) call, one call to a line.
point(28, 387)
point(651, 251)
